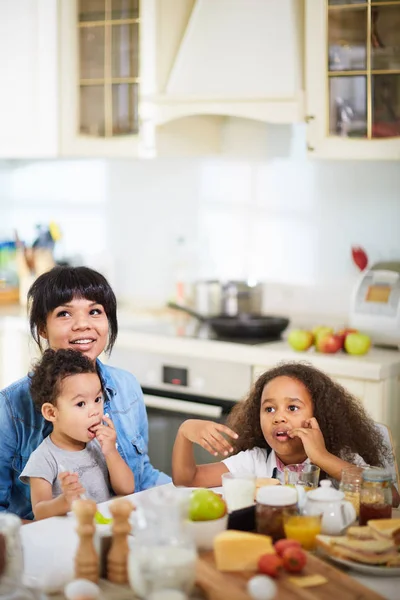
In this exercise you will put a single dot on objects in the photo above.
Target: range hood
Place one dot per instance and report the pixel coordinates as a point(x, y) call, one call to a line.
point(241, 58)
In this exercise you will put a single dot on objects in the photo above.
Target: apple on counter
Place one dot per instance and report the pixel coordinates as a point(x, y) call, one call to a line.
point(300, 339)
point(327, 341)
point(357, 343)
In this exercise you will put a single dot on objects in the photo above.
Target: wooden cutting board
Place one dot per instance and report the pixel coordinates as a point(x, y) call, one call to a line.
point(218, 585)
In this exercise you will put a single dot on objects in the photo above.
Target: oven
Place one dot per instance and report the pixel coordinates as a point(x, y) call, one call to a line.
point(179, 387)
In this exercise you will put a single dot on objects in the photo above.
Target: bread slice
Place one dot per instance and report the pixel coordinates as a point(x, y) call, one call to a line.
point(359, 533)
point(371, 552)
point(386, 529)
point(262, 481)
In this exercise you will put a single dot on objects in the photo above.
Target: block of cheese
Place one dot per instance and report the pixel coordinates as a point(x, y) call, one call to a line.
point(239, 550)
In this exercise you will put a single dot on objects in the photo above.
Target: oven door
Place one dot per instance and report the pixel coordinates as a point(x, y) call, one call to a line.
point(167, 413)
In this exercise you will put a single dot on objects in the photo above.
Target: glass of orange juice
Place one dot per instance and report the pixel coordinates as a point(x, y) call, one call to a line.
point(303, 528)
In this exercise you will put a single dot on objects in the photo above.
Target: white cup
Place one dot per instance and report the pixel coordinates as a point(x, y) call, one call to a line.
point(239, 490)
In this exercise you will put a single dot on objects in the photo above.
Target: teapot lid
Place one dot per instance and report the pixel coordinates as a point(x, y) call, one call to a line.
point(325, 493)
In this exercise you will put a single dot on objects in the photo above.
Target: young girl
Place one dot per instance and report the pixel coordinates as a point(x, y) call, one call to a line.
point(293, 414)
point(72, 308)
point(79, 456)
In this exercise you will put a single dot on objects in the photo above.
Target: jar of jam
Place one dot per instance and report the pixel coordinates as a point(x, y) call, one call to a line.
point(272, 503)
point(375, 495)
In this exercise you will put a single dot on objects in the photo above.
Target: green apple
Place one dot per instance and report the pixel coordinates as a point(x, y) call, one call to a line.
point(357, 343)
point(300, 339)
point(206, 505)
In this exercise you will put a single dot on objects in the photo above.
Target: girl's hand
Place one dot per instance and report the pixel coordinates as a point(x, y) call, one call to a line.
point(312, 438)
point(107, 436)
point(209, 435)
point(71, 487)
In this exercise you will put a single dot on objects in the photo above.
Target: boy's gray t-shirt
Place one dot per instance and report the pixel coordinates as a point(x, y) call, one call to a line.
point(89, 464)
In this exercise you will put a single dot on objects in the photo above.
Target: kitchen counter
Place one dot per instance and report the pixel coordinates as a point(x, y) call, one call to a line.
point(378, 364)
point(140, 330)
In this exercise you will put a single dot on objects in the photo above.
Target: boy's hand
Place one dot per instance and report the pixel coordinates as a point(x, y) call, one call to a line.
point(312, 438)
point(107, 436)
point(209, 435)
point(71, 487)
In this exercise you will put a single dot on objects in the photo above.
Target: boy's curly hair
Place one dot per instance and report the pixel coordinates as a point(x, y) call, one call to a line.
point(345, 425)
point(54, 366)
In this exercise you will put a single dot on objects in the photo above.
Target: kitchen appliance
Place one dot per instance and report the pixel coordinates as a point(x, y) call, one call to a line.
point(176, 388)
point(375, 304)
point(214, 297)
point(242, 326)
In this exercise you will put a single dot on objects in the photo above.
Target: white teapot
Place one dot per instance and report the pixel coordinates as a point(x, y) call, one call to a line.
point(337, 513)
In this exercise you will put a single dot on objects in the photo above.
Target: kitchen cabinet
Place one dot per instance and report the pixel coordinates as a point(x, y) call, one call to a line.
point(381, 398)
point(158, 77)
point(29, 79)
point(99, 60)
point(238, 58)
point(353, 78)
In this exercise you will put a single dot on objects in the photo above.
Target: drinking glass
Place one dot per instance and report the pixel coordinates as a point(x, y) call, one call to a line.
point(303, 528)
point(304, 475)
point(239, 490)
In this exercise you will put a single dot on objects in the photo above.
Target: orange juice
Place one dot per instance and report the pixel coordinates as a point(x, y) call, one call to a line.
point(303, 528)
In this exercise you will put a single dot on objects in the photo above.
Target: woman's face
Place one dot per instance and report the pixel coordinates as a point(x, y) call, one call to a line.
point(78, 325)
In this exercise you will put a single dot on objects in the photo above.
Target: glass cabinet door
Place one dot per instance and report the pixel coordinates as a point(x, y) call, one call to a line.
point(364, 68)
point(108, 67)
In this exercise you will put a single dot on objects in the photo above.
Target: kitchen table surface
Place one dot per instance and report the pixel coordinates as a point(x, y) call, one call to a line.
point(49, 548)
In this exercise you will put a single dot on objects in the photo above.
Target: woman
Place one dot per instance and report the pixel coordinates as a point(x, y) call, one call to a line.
point(72, 308)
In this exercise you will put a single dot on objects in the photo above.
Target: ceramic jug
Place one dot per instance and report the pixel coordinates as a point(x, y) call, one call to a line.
point(337, 513)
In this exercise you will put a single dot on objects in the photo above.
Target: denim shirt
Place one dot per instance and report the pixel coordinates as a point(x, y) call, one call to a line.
point(22, 429)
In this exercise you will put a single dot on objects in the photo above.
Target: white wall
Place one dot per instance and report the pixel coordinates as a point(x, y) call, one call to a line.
point(277, 216)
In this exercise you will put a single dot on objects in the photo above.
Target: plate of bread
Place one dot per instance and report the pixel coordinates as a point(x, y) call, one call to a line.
point(373, 549)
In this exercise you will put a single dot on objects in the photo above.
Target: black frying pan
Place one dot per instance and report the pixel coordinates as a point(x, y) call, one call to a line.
point(243, 326)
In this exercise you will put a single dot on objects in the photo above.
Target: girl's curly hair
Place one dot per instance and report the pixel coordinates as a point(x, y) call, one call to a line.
point(54, 366)
point(345, 425)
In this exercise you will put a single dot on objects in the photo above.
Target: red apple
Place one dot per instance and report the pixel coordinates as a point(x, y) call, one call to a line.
point(320, 331)
point(329, 343)
point(357, 343)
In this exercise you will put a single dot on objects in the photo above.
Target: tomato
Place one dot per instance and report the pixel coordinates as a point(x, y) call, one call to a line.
point(294, 559)
point(281, 545)
point(270, 564)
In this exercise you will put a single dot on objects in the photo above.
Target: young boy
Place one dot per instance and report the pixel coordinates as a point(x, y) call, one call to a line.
point(80, 455)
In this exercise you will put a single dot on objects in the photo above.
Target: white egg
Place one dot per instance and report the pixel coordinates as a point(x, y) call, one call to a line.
point(262, 587)
point(81, 587)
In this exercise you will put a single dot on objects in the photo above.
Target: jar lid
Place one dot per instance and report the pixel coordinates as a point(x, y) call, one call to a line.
point(277, 495)
point(376, 474)
point(325, 493)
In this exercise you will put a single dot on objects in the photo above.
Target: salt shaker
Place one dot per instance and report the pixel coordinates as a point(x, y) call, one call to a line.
point(14, 563)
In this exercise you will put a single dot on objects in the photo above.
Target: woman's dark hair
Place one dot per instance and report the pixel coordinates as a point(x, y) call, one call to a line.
point(54, 366)
point(346, 427)
point(59, 286)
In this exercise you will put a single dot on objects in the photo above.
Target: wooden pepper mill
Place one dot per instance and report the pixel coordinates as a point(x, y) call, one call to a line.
point(86, 558)
point(117, 558)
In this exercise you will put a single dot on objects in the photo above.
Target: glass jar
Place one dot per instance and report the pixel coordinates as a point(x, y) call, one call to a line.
point(375, 495)
point(350, 485)
point(272, 503)
point(162, 555)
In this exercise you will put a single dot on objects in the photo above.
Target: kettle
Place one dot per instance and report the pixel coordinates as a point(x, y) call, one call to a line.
point(337, 513)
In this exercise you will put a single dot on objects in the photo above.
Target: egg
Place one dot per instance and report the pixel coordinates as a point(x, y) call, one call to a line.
point(261, 587)
point(81, 588)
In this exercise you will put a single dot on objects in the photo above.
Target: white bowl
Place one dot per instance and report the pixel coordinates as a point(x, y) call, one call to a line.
point(204, 532)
